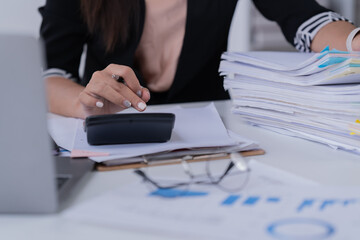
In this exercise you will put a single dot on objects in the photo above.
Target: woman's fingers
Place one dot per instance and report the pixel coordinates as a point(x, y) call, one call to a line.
point(106, 90)
point(127, 74)
point(90, 101)
point(122, 92)
point(117, 93)
point(145, 95)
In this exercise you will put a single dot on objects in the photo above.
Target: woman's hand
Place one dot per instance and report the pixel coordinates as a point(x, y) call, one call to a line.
point(111, 90)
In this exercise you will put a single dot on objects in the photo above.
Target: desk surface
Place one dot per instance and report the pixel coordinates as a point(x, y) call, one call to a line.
point(304, 158)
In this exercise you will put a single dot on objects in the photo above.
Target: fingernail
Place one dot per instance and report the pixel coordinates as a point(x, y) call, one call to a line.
point(99, 104)
point(139, 93)
point(127, 103)
point(141, 105)
point(148, 91)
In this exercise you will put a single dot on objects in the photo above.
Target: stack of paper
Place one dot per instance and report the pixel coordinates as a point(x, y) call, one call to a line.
point(312, 96)
point(197, 131)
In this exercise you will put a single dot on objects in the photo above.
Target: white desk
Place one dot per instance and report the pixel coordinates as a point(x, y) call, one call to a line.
point(304, 158)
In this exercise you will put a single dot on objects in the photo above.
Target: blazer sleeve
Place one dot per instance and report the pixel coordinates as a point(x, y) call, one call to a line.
point(64, 34)
point(289, 14)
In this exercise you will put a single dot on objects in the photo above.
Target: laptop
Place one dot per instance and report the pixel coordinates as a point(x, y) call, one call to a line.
point(32, 179)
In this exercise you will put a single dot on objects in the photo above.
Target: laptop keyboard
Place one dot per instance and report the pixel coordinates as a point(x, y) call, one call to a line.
point(61, 180)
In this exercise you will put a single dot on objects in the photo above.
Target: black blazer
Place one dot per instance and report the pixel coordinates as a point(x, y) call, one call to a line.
point(206, 35)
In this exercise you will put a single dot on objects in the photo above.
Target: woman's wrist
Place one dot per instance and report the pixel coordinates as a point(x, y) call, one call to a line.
point(79, 111)
point(63, 97)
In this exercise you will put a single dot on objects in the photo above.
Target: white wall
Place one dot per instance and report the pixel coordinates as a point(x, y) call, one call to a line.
point(251, 31)
point(20, 16)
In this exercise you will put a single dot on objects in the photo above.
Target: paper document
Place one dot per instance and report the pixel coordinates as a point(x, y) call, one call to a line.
point(303, 69)
point(197, 130)
point(274, 205)
point(311, 96)
point(62, 130)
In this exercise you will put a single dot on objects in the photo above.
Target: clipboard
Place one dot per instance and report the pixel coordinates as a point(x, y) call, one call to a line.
point(199, 158)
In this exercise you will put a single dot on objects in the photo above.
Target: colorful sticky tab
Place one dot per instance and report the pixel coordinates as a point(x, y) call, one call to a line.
point(355, 129)
point(326, 49)
point(332, 61)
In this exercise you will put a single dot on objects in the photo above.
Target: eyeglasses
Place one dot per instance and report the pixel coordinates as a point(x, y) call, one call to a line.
point(230, 175)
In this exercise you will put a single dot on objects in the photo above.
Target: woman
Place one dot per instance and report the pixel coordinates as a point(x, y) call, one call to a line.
point(169, 50)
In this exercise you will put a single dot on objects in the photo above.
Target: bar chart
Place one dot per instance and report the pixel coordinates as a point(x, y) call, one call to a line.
point(249, 200)
point(303, 205)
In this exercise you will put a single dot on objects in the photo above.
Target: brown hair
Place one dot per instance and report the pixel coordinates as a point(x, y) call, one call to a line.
point(112, 17)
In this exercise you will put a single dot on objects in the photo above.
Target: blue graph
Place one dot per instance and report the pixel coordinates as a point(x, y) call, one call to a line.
point(252, 200)
point(172, 193)
point(248, 201)
point(273, 199)
point(280, 229)
point(230, 200)
point(322, 205)
point(327, 203)
point(305, 204)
